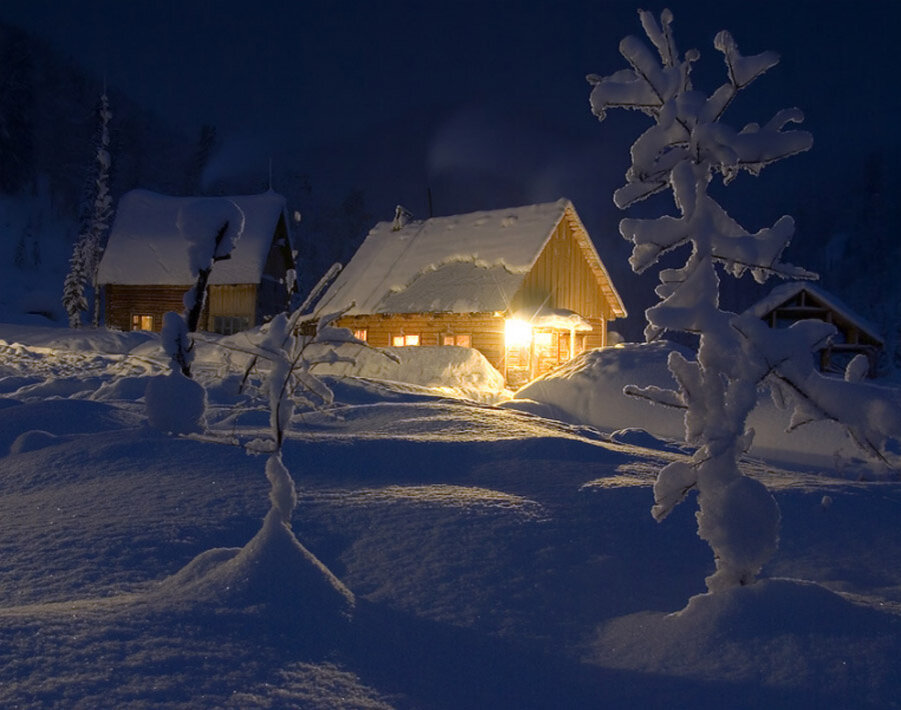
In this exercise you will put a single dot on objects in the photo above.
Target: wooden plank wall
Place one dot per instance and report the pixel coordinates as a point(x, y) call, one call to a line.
point(232, 300)
point(562, 278)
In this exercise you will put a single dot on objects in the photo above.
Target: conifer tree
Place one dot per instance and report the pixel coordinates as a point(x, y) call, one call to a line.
point(95, 223)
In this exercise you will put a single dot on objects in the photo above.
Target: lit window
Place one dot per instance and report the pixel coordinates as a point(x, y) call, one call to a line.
point(400, 341)
point(462, 340)
point(361, 334)
point(141, 322)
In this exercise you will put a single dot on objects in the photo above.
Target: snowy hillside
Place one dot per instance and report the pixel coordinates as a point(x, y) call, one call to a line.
point(498, 559)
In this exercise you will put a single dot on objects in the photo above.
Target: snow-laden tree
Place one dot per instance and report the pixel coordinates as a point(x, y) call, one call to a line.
point(174, 402)
point(85, 260)
point(211, 227)
point(683, 151)
point(74, 299)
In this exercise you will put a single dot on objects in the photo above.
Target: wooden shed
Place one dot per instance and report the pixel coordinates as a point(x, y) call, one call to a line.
point(145, 270)
point(524, 285)
point(802, 300)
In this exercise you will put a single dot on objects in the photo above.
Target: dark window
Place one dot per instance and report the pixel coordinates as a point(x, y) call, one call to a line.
point(226, 325)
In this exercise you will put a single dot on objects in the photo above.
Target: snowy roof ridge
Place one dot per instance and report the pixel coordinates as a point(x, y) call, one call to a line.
point(783, 292)
point(146, 246)
point(472, 262)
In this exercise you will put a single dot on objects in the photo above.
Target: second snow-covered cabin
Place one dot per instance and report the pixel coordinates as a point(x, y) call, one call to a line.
point(146, 267)
point(801, 300)
point(524, 285)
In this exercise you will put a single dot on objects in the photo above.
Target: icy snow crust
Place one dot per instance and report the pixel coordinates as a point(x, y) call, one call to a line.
point(496, 558)
point(471, 263)
point(153, 238)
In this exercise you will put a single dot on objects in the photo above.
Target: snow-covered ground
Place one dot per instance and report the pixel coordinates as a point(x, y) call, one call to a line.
point(499, 559)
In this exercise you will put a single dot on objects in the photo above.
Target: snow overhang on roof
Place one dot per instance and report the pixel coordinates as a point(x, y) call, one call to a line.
point(463, 263)
point(148, 247)
point(555, 319)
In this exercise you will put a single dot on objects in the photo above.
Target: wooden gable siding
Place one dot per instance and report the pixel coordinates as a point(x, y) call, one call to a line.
point(486, 329)
point(563, 278)
point(235, 300)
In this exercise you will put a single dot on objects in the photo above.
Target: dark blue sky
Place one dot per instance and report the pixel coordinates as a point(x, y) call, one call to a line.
point(486, 102)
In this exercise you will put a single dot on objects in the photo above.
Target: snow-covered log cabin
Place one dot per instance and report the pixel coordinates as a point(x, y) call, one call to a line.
point(799, 300)
point(524, 286)
point(145, 269)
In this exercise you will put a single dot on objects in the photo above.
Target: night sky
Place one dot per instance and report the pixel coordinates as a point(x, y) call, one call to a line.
point(483, 102)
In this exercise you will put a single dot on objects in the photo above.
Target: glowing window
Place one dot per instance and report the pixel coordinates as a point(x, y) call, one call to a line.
point(361, 334)
point(463, 340)
point(141, 322)
point(400, 341)
point(517, 333)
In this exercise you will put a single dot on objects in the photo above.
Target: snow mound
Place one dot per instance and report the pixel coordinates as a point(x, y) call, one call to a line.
point(779, 633)
point(589, 390)
point(635, 436)
point(62, 417)
point(32, 441)
point(83, 339)
point(449, 370)
point(175, 403)
point(274, 570)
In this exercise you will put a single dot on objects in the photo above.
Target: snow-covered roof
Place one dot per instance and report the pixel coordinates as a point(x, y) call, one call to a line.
point(785, 292)
point(148, 244)
point(470, 263)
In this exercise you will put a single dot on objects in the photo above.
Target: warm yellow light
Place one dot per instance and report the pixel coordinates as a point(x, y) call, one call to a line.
point(544, 340)
point(517, 333)
point(399, 341)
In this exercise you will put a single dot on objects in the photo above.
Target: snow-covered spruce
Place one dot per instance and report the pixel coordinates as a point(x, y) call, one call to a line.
point(685, 148)
point(85, 260)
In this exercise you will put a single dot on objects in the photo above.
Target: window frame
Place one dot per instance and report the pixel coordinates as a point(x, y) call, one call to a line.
point(140, 320)
point(404, 337)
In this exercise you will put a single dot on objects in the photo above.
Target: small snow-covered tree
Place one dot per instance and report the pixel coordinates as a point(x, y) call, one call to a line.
point(211, 226)
point(174, 402)
point(74, 300)
point(686, 148)
point(85, 260)
point(274, 568)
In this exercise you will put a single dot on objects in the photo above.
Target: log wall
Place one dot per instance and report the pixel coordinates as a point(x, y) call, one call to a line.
point(123, 302)
point(487, 330)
